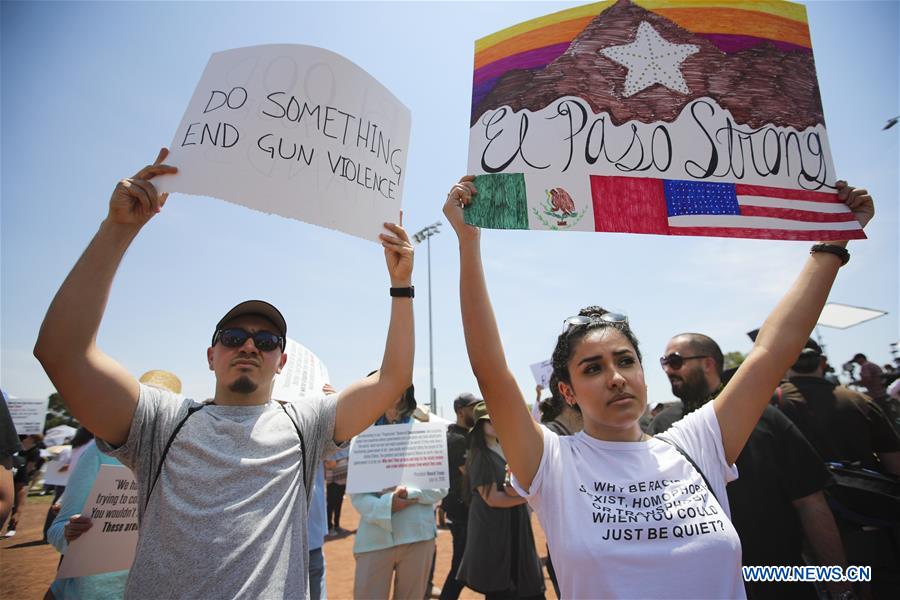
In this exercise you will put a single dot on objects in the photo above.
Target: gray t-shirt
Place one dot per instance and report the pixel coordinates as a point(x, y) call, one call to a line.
point(227, 518)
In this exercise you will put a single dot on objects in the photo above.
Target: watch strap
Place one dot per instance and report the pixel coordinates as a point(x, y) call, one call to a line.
point(403, 292)
point(838, 251)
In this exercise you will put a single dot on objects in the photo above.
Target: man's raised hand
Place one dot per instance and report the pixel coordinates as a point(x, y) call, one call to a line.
point(135, 200)
point(398, 253)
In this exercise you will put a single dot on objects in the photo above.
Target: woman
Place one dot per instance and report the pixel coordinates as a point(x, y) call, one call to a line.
point(397, 530)
point(70, 524)
point(69, 459)
point(499, 560)
point(626, 514)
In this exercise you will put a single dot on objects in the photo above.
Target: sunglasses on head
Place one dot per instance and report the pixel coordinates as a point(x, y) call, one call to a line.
point(235, 337)
point(675, 361)
point(579, 320)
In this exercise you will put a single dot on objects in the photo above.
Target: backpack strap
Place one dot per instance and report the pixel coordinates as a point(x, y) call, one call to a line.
point(181, 423)
point(692, 463)
point(302, 450)
point(162, 460)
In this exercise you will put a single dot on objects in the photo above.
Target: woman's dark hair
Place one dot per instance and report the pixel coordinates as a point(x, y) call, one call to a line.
point(477, 454)
point(81, 437)
point(569, 339)
point(407, 402)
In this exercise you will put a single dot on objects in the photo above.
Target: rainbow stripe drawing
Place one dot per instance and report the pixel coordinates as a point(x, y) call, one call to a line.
point(686, 117)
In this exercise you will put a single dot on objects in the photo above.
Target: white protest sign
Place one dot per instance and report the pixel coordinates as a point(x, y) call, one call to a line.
point(28, 414)
point(412, 454)
point(542, 372)
point(842, 316)
point(303, 375)
point(110, 544)
point(57, 468)
point(297, 131)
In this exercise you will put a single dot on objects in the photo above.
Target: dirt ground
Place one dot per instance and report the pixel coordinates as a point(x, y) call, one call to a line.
point(27, 566)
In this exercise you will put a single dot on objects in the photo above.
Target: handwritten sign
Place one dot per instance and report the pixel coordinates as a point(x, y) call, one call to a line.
point(303, 375)
point(110, 543)
point(28, 414)
point(296, 131)
point(664, 118)
point(413, 454)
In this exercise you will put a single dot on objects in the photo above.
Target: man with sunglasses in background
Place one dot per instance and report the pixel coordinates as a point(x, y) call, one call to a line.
point(778, 496)
point(223, 486)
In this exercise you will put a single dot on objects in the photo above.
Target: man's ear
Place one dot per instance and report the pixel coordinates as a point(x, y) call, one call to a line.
point(282, 362)
point(209, 357)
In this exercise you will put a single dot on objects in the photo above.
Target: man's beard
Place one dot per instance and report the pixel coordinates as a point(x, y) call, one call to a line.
point(693, 391)
point(243, 385)
point(470, 421)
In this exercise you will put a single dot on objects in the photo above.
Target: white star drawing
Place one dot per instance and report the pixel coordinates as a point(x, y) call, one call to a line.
point(651, 59)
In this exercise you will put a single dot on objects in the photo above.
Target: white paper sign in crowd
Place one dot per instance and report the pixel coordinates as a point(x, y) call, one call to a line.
point(110, 543)
point(542, 372)
point(57, 469)
point(28, 414)
point(303, 375)
point(412, 454)
point(297, 131)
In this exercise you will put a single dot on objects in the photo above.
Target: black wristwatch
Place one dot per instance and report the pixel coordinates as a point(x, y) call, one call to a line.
point(838, 251)
point(404, 292)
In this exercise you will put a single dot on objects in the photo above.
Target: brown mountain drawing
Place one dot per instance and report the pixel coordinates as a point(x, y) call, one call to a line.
point(759, 85)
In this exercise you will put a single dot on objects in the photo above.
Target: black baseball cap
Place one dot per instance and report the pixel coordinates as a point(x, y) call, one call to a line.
point(255, 307)
point(464, 400)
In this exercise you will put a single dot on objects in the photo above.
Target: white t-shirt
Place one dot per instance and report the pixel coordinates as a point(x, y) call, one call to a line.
point(635, 519)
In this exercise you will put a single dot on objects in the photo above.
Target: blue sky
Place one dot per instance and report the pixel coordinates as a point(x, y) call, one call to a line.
point(90, 92)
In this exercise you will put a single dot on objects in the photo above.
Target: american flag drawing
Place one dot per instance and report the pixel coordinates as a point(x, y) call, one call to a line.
point(675, 207)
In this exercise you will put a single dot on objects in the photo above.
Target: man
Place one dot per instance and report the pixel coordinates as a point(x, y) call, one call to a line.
point(841, 424)
point(778, 495)
point(223, 486)
point(455, 506)
point(845, 425)
point(871, 377)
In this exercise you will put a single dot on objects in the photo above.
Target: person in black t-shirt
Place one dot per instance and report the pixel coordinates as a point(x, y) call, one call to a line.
point(9, 445)
point(841, 424)
point(29, 461)
point(778, 496)
point(454, 505)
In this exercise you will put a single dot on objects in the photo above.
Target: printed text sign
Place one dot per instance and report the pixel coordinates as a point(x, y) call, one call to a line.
point(412, 454)
point(109, 545)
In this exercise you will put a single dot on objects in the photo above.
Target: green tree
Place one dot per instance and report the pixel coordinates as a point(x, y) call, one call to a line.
point(734, 359)
point(58, 414)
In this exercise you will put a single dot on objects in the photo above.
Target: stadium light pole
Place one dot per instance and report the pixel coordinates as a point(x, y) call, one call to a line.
point(419, 236)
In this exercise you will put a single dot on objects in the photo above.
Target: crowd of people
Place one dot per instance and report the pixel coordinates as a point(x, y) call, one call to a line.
point(238, 494)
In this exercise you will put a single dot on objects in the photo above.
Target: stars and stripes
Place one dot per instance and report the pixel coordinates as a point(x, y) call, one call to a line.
point(675, 207)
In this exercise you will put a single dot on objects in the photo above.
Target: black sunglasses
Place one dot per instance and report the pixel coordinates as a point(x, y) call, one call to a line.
point(579, 320)
point(675, 361)
point(234, 337)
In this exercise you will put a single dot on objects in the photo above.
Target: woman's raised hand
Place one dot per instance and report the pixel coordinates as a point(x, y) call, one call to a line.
point(858, 200)
point(459, 197)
